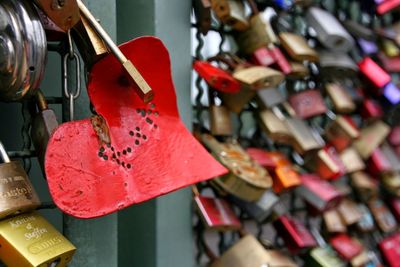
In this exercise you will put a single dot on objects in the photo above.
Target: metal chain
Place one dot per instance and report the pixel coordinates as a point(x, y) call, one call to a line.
point(199, 87)
point(26, 139)
point(71, 93)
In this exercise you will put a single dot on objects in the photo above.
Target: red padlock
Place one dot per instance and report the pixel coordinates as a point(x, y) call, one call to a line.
point(387, 6)
point(308, 103)
point(297, 237)
point(394, 136)
point(268, 159)
point(216, 77)
point(374, 73)
point(390, 64)
point(378, 163)
point(370, 109)
point(318, 193)
point(131, 151)
point(346, 247)
point(271, 56)
point(389, 248)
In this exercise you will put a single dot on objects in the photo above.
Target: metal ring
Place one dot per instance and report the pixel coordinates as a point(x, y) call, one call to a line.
point(23, 48)
point(67, 92)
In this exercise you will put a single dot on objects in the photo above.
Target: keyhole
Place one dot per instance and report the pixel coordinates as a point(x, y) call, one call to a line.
point(57, 4)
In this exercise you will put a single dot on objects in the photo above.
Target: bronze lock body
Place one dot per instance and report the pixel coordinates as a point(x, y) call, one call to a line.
point(231, 12)
point(17, 194)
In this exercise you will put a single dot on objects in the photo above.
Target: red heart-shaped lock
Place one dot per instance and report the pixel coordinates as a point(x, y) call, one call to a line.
point(151, 152)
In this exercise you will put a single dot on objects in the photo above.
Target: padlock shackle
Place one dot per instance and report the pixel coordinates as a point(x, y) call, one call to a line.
point(41, 101)
point(3, 153)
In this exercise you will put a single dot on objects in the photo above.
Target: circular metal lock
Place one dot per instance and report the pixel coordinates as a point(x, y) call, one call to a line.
point(23, 50)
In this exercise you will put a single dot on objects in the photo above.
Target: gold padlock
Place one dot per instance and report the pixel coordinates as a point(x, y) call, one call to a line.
point(390, 48)
point(298, 70)
point(256, 36)
point(297, 47)
point(91, 47)
point(246, 179)
point(349, 212)
point(249, 252)
point(333, 222)
point(274, 127)
point(352, 160)
point(371, 137)
point(364, 185)
point(231, 12)
point(28, 240)
point(341, 100)
point(341, 132)
point(220, 119)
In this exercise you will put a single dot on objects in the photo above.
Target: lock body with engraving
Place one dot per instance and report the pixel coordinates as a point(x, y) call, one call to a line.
point(17, 194)
point(28, 240)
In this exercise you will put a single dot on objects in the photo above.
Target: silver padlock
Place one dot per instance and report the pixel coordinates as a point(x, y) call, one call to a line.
point(336, 64)
point(23, 50)
point(329, 30)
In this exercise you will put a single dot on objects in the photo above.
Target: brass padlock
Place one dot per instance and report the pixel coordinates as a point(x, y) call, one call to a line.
point(91, 47)
point(17, 194)
point(349, 212)
point(329, 30)
point(352, 160)
point(28, 240)
point(371, 137)
point(216, 213)
point(254, 37)
point(202, 12)
point(220, 118)
point(274, 127)
point(231, 12)
point(341, 132)
point(382, 215)
point(342, 101)
point(297, 47)
point(391, 182)
point(333, 222)
point(298, 70)
point(247, 179)
point(65, 14)
point(305, 139)
point(23, 50)
point(326, 163)
point(390, 48)
point(43, 125)
point(249, 252)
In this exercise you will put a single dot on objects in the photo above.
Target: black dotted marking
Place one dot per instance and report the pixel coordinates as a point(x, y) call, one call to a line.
point(137, 142)
point(143, 113)
point(118, 162)
point(138, 110)
point(131, 133)
point(149, 112)
point(108, 145)
point(138, 129)
point(119, 154)
point(156, 114)
point(149, 121)
point(129, 150)
point(155, 126)
point(112, 148)
point(128, 166)
point(138, 135)
point(144, 137)
point(105, 157)
point(102, 149)
point(123, 164)
point(100, 154)
point(124, 152)
point(152, 105)
point(114, 156)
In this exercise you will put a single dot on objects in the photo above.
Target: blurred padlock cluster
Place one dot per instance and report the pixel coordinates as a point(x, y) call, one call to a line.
point(303, 112)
